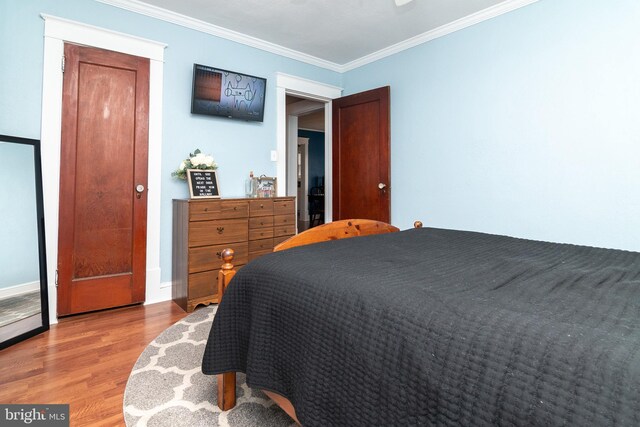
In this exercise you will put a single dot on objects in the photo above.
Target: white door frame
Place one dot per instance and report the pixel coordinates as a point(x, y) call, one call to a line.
point(297, 86)
point(304, 187)
point(57, 31)
point(292, 163)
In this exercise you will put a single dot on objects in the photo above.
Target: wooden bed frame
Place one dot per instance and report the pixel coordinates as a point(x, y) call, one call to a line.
point(332, 231)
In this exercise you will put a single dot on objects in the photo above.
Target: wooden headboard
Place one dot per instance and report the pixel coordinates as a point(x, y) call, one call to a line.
point(337, 230)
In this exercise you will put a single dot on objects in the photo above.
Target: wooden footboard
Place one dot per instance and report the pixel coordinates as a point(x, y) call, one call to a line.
point(226, 381)
point(331, 231)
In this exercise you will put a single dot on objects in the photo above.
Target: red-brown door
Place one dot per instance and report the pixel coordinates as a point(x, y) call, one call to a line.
point(103, 218)
point(361, 156)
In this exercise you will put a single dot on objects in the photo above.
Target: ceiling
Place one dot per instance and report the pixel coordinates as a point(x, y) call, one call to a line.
point(313, 116)
point(336, 33)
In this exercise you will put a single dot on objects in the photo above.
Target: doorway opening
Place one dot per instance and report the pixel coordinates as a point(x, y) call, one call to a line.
point(313, 94)
point(306, 127)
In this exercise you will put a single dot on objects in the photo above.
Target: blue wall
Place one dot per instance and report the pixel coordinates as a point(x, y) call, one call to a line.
point(526, 124)
point(316, 156)
point(238, 147)
point(19, 257)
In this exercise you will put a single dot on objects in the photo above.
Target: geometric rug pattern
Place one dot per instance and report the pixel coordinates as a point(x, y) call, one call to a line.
point(166, 387)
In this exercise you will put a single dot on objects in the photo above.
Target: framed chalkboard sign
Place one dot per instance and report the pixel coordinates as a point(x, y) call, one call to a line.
point(203, 184)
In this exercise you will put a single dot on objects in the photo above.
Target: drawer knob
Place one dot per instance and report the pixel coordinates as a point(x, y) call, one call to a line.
point(220, 230)
point(261, 206)
point(235, 208)
point(206, 209)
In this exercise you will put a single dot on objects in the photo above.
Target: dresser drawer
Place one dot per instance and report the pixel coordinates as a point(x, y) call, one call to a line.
point(260, 246)
point(209, 257)
point(260, 233)
point(218, 209)
point(261, 222)
point(206, 233)
point(260, 207)
point(283, 207)
point(203, 284)
point(284, 230)
point(284, 220)
point(278, 240)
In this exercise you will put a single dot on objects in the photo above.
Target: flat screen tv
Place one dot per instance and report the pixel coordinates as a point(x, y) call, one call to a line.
point(218, 92)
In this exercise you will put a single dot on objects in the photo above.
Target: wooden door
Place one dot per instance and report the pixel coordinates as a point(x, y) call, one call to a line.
point(361, 156)
point(103, 218)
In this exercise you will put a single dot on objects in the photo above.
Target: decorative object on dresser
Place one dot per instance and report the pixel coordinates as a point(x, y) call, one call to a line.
point(250, 185)
point(267, 186)
point(196, 160)
point(203, 184)
point(202, 228)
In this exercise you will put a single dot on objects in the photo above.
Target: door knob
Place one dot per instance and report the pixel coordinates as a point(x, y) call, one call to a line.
point(139, 190)
point(382, 186)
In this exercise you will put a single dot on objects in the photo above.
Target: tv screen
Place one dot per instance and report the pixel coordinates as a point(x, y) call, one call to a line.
point(224, 93)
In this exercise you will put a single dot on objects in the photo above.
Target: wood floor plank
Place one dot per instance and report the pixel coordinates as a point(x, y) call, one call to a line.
point(84, 361)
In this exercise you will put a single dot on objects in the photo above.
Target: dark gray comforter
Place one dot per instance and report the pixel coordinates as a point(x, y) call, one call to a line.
point(438, 327)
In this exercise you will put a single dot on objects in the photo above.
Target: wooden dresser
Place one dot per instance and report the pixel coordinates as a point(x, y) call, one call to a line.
point(202, 228)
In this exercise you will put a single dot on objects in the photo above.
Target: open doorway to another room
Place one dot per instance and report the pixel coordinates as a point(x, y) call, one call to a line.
point(306, 123)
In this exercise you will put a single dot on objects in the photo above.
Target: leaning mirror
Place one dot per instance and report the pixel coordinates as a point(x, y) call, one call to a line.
point(23, 281)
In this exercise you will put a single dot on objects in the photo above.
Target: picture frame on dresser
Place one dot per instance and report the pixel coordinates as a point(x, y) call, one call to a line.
point(267, 186)
point(203, 184)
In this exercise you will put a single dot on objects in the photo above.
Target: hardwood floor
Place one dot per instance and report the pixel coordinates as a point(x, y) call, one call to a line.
point(84, 361)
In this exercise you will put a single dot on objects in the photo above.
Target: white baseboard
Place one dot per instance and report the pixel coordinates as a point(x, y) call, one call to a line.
point(162, 294)
point(19, 289)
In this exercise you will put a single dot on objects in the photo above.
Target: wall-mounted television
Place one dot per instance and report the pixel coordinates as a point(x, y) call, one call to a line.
point(218, 92)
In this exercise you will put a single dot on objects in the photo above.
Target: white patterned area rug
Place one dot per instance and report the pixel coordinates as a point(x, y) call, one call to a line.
point(167, 387)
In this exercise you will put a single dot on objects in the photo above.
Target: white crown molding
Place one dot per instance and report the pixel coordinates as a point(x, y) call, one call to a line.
point(198, 25)
point(467, 21)
point(311, 129)
point(215, 30)
point(66, 29)
point(304, 107)
point(305, 87)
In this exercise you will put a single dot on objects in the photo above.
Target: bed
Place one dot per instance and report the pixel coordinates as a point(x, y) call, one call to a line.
point(433, 327)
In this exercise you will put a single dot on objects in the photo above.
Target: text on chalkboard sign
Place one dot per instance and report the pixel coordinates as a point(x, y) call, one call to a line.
point(203, 183)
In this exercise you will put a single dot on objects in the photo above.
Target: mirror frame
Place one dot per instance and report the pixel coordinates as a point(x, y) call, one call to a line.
point(44, 295)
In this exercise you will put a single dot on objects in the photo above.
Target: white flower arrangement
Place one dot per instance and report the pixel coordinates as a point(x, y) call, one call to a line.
point(196, 160)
